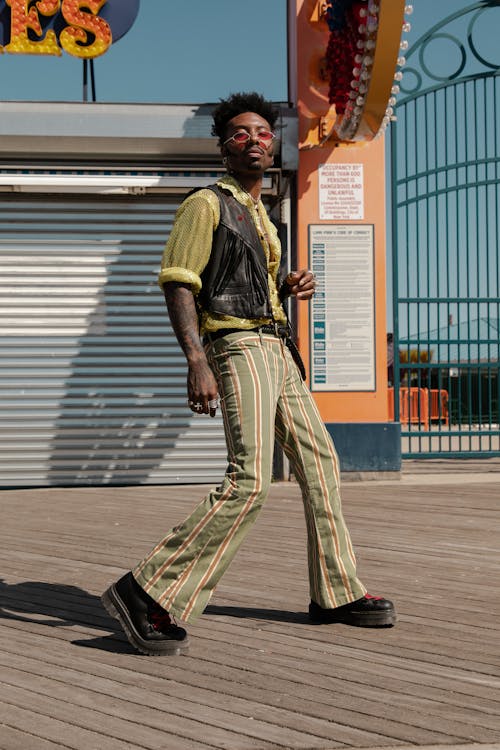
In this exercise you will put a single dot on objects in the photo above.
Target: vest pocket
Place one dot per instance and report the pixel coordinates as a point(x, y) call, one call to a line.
point(231, 258)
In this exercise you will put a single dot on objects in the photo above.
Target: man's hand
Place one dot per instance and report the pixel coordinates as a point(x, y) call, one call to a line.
point(203, 396)
point(301, 284)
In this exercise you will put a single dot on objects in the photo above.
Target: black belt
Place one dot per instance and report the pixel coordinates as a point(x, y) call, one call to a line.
point(273, 329)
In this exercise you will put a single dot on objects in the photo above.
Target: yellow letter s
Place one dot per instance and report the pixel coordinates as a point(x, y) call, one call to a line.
point(74, 38)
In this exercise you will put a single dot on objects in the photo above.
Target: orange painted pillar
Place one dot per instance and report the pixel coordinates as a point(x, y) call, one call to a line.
point(341, 224)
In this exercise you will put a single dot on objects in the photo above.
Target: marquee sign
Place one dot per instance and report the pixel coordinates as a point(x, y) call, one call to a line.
point(364, 63)
point(82, 28)
point(355, 59)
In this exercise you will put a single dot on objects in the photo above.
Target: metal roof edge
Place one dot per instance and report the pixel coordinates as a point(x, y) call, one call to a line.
point(128, 130)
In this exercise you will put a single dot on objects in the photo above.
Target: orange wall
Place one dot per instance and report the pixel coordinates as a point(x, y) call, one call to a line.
point(312, 39)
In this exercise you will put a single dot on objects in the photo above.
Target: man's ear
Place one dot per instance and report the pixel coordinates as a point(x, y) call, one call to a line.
point(225, 155)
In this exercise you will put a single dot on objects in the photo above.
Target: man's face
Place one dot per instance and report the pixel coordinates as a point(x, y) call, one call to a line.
point(252, 156)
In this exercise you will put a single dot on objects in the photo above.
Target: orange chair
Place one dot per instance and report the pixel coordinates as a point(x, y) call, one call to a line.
point(413, 405)
point(439, 405)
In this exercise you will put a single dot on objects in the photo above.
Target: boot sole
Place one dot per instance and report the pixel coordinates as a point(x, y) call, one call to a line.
point(372, 620)
point(115, 607)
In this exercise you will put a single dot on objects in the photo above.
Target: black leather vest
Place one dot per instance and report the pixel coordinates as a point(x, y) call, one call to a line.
point(234, 281)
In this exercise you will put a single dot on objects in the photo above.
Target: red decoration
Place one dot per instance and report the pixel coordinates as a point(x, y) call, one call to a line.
point(346, 43)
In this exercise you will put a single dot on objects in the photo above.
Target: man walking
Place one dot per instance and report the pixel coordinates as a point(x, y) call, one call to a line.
point(220, 278)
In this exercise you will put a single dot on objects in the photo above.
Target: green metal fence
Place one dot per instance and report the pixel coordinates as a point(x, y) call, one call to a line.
point(446, 267)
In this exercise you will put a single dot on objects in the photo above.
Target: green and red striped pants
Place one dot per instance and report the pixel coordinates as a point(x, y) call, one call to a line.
point(262, 398)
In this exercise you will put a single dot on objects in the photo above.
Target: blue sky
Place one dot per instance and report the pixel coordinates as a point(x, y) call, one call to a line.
point(177, 51)
point(183, 51)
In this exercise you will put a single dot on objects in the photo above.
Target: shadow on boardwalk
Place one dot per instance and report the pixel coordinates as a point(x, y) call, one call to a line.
point(258, 675)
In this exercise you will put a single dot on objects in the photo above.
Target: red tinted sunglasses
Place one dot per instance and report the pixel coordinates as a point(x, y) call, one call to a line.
point(241, 138)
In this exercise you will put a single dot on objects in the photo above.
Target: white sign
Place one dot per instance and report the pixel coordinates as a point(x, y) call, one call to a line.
point(341, 192)
point(342, 314)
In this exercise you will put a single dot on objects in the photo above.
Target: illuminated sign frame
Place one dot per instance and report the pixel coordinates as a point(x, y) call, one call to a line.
point(83, 28)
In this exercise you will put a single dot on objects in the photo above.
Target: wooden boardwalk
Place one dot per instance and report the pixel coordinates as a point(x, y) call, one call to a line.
point(258, 675)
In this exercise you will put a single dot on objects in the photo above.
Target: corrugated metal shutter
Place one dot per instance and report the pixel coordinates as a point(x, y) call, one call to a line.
point(92, 378)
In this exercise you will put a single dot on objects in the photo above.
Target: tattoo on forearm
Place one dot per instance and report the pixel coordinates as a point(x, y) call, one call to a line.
point(183, 316)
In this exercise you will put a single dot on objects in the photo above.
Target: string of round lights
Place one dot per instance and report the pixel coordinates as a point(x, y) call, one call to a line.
point(364, 61)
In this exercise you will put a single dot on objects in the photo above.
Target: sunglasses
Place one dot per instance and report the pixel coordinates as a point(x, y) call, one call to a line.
point(241, 138)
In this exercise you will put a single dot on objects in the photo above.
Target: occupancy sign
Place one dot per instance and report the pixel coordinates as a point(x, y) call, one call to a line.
point(341, 192)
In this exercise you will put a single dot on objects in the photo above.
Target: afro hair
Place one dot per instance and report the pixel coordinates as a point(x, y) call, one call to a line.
point(236, 104)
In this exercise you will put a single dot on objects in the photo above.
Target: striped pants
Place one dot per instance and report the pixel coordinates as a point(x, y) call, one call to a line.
point(262, 397)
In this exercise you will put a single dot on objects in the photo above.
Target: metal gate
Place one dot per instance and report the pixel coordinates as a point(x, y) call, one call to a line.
point(446, 267)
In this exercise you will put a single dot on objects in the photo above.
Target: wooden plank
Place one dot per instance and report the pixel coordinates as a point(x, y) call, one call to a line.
point(191, 704)
point(425, 637)
point(56, 731)
point(23, 675)
point(258, 673)
point(340, 708)
point(361, 681)
point(17, 739)
point(137, 726)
